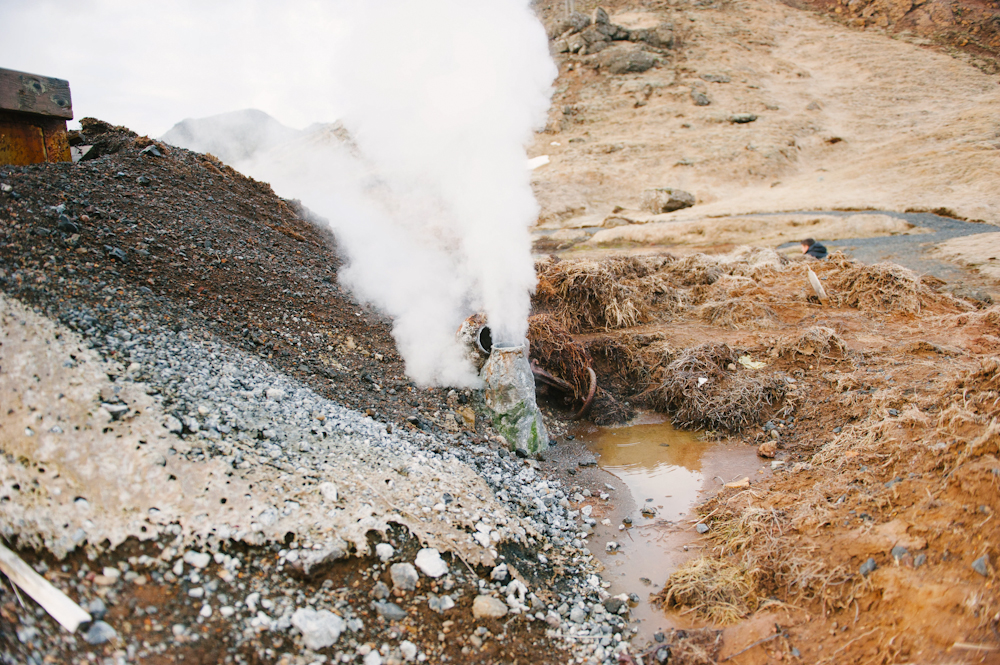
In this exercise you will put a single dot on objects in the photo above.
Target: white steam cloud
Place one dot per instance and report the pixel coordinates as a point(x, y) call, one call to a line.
point(441, 97)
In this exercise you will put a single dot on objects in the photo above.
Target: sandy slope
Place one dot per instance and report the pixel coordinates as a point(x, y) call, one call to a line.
point(846, 119)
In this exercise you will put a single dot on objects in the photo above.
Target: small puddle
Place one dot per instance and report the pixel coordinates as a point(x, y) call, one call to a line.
point(653, 465)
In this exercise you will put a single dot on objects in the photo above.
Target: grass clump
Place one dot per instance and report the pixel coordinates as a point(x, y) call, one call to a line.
point(716, 590)
point(705, 386)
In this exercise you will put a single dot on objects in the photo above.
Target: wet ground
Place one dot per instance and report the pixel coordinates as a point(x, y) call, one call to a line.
point(653, 476)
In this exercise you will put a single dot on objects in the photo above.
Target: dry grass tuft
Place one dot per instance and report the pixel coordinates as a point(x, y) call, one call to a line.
point(978, 391)
point(755, 554)
point(557, 352)
point(754, 262)
point(607, 410)
point(738, 314)
point(707, 387)
point(716, 590)
point(590, 294)
point(695, 647)
point(989, 318)
point(694, 270)
point(817, 341)
point(883, 288)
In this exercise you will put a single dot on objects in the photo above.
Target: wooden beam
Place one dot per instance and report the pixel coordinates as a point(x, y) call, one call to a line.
point(28, 93)
point(54, 601)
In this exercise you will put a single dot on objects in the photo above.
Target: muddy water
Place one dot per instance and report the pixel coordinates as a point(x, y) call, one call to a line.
point(652, 465)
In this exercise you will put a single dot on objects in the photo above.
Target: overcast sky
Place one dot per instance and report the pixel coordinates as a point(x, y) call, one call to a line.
point(148, 65)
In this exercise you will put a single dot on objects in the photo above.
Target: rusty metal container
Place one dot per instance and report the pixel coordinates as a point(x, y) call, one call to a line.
point(33, 114)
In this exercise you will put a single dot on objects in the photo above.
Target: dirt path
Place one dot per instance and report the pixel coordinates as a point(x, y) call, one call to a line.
point(845, 120)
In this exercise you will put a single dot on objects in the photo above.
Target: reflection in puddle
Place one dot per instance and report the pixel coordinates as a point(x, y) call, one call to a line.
point(662, 468)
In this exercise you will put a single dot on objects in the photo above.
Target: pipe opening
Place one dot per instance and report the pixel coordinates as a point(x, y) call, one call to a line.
point(484, 340)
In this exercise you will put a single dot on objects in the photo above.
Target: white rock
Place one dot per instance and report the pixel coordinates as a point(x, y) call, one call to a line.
point(499, 573)
point(206, 611)
point(329, 491)
point(587, 510)
point(319, 629)
point(488, 607)
point(277, 394)
point(197, 559)
point(373, 658)
point(408, 649)
point(429, 561)
point(384, 551)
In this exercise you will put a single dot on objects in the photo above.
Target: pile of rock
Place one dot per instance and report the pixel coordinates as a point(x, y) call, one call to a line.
point(595, 34)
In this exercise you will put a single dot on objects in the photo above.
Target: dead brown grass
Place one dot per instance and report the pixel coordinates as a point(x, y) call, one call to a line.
point(738, 314)
point(705, 386)
point(590, 294)
point(817, 341)
point(557, 352)
point(882, 288)
point(716, 590)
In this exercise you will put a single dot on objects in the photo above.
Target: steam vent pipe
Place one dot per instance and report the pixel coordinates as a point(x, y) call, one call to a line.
point(509, 386)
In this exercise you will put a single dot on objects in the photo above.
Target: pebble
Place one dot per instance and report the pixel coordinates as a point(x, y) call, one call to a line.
point(701, 527)
point(982, 565)
point(488, 607)
point(319, 629)
point(429, 561)
point(391, 611)
point(197, 559)
point(408, 649)
point(868, 567)
point(898, 552)
point(99, 633)
point(404, 576)
point(440, 603)
point(97, 609)
point(384, 552)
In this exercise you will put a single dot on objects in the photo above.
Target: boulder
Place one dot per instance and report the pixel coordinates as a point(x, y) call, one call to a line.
point(665, 199)
point(662, 36)
point(575, 22)
point(625, 59)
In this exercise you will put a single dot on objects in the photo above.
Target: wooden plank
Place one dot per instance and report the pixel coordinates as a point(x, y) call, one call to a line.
point(29, 93)
point(54, 601)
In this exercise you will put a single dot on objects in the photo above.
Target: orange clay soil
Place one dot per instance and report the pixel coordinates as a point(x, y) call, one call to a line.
point(888, 438)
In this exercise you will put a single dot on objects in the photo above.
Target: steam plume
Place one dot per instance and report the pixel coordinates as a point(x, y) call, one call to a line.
point(440, 97)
